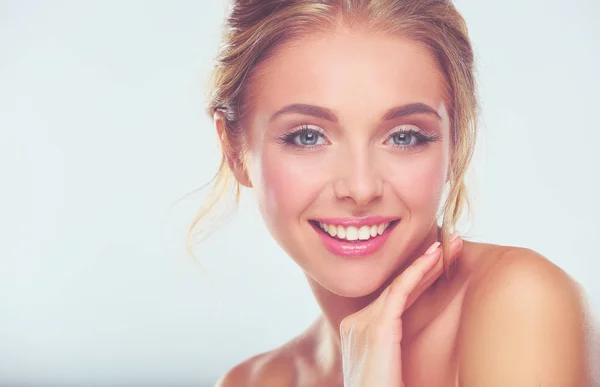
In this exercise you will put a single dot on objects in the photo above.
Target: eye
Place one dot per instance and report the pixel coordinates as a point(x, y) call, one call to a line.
point(305, 137)
point(409, 138)
point(308, 138)
point(404, 138)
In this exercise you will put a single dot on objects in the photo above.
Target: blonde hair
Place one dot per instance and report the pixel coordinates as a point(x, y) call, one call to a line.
point(254, 28)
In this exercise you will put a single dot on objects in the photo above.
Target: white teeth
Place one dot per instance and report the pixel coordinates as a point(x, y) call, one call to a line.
point(364, 233)
point(352, 233)
point(373, 230)
point(332, 230)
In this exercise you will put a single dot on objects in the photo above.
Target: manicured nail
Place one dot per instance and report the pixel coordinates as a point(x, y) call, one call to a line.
point(432, 248)
point(454, 235)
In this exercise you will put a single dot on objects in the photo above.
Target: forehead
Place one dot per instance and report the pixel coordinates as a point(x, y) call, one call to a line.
point(352, 72)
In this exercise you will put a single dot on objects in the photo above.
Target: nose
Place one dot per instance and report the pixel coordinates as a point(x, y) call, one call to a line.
point(359, 180)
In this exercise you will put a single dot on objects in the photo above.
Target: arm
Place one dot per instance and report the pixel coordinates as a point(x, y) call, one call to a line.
point(523, 325)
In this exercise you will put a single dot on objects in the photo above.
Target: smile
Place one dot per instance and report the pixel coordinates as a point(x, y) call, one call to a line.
point(352, 233)
point(353, 238)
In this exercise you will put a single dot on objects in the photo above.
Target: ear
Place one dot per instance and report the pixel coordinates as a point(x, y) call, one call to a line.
point(236, 165)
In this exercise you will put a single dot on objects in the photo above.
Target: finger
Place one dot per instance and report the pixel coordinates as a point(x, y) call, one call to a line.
point(430, 277)
point(400, 289)
point(455, 249)
point(456, 245)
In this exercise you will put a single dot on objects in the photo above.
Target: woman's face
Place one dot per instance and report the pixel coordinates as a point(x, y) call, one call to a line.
point(348, 153)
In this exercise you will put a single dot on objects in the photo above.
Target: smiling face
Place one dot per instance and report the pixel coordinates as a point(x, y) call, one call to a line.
point(348, 135)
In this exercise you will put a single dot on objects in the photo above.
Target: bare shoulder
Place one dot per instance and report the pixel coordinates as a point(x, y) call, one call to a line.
point(495, 267)
point(519, 275)
point(273, 368)
point(284, 366)
point(523, 323)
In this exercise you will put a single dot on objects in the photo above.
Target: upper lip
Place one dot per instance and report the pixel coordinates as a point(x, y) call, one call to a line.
point(357, 222)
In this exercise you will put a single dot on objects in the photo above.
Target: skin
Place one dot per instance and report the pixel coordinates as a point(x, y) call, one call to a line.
point(507, 317)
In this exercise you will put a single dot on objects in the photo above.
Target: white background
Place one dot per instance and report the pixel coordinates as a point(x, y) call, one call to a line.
point(102, 128)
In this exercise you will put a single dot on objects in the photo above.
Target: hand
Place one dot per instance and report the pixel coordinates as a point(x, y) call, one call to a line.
point(371, 337)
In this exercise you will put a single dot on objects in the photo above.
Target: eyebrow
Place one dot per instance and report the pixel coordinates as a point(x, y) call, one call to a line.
point(326, 114)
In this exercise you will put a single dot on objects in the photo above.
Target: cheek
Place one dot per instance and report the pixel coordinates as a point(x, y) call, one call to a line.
point(287, 184)
point(419, 180)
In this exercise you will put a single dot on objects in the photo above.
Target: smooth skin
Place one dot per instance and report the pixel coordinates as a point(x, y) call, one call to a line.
point(507, 316)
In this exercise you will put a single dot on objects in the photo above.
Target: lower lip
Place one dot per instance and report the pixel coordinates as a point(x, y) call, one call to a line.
point(356, 249)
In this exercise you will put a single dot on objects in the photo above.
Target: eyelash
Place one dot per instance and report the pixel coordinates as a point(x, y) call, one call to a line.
point(288, 138)
point(422, 139)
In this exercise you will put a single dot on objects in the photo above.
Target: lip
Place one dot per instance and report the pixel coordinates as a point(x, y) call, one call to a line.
point(355, 249)
point(357, 222)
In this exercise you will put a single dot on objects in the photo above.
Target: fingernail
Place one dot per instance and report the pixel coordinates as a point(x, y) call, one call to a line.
point(454, 235)
point(432, 248)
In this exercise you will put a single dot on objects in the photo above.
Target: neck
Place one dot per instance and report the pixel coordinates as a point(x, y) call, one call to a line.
point(335, 307)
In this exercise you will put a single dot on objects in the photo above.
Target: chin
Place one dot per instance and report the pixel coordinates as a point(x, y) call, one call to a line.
point(362, 285)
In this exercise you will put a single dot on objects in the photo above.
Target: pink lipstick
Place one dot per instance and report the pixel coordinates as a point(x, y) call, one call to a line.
point(354, 237)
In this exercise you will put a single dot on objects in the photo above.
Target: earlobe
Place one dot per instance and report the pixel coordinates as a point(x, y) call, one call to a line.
point(235, 164)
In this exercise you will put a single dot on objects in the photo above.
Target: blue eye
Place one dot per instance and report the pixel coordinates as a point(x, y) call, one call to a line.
point(409, 139)
point(404, 138)
point(305, 137)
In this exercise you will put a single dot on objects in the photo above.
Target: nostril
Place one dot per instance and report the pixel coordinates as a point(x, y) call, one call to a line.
point(360, 188)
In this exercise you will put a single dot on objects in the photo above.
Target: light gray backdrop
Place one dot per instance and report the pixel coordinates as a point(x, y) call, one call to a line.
point(102, 129)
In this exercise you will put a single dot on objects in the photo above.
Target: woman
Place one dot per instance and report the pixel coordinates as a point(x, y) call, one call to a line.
point(354, 123)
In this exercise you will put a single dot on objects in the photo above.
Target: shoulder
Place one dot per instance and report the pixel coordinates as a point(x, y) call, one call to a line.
point(504, 270)
point(282, 366)
point(516, 277)
point(523, 323)
point(274, 368)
